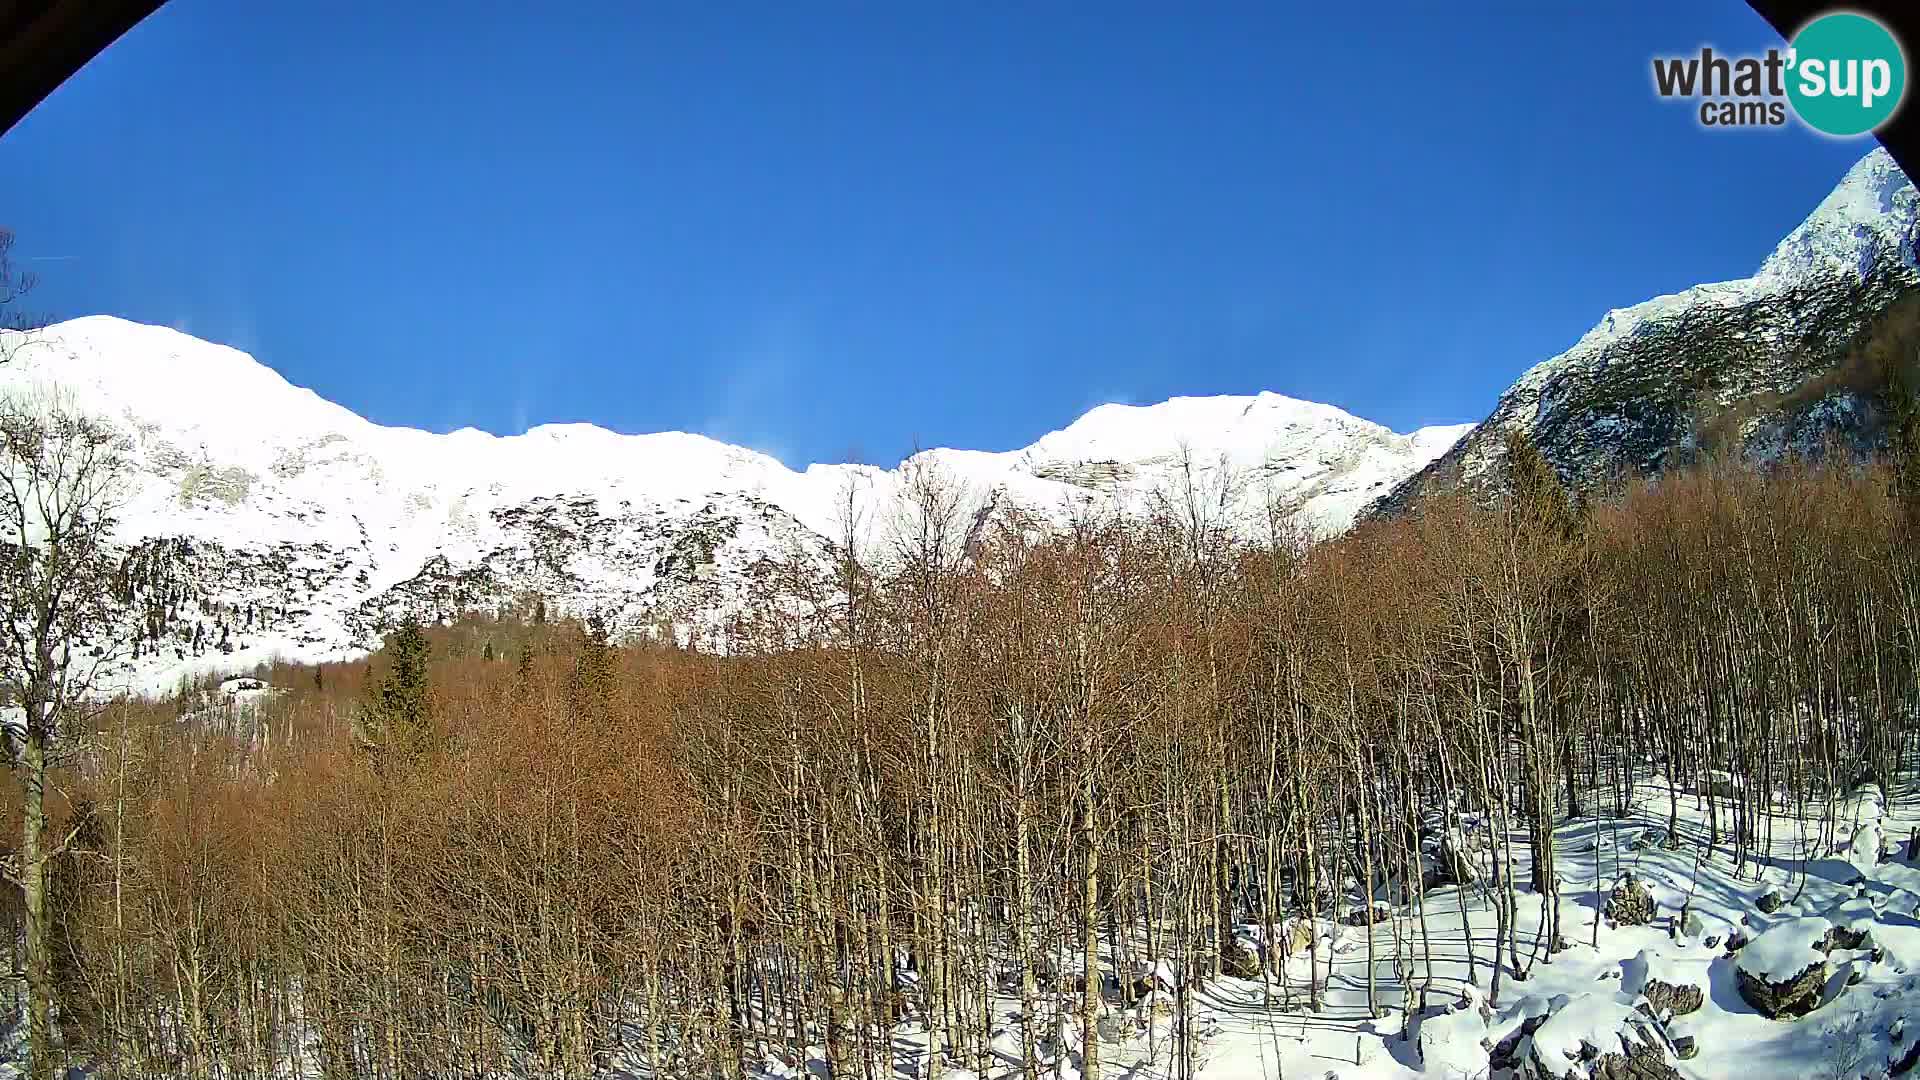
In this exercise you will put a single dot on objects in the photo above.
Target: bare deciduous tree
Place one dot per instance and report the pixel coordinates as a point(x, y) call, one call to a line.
point(16, 326)
point(60, 474)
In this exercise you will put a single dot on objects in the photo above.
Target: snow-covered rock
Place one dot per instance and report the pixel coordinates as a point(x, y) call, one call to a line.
point(1631, 902)
point(1863, 848)
point(1670, 987)
point(1597, 1036)
point(1783, 970)
point(1853, 922)
point(1721, 784)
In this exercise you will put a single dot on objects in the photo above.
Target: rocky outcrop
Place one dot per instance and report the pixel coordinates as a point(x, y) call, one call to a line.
point(1670, 999)
point(1790, 997)
point(1669, 988)
point(1630, 903)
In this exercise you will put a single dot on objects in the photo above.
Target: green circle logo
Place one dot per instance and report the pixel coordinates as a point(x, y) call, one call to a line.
point(1847, 74)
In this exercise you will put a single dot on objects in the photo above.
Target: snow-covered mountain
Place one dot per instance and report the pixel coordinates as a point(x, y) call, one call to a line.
point(261, 519)
point(1754, 365)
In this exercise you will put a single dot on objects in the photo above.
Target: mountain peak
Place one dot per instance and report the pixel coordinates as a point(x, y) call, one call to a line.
point(1240, 426)
point(1744, 364)
point(118, 367)
point(1870, 215)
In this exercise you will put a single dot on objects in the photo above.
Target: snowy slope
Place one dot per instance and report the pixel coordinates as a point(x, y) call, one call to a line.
point(263, 519)
point(1737, 363)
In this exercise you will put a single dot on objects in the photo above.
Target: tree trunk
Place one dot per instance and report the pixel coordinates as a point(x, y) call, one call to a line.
point(33, 889)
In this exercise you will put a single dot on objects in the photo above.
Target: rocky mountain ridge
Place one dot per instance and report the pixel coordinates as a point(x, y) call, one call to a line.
point(1753, 365)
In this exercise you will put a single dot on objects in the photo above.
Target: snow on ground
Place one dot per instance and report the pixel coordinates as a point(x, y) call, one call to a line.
point(1588, 993)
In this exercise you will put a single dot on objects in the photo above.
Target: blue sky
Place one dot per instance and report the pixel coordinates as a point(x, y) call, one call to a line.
point(831, 229)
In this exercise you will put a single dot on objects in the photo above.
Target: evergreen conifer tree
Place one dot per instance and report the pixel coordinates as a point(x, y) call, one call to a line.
point(592, 688)
point(400, 708)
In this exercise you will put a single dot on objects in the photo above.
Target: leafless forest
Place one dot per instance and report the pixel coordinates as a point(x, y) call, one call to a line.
point(1015, 755)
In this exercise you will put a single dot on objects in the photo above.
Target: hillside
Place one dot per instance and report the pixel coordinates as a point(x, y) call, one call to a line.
point(1752, 366)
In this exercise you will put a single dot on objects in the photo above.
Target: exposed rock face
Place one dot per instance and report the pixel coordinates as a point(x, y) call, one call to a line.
point(1794, 996)
point(1756, 366)
point(1668, 988)
point(1630, 903)
point(1668, 999)
point(1770, 901)
point(1846, 937)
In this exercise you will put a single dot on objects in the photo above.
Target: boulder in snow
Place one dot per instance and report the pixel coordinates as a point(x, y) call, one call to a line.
point(1689, 923)
point(1598, 1036)
point(1783, 971)
point(1863, 849)
point(1671, 989)
point(1721, 784)
point(1673, 999)
point(1239, 960)
point(1631, 902)
point(1852, 924)
point(1533, 1011)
